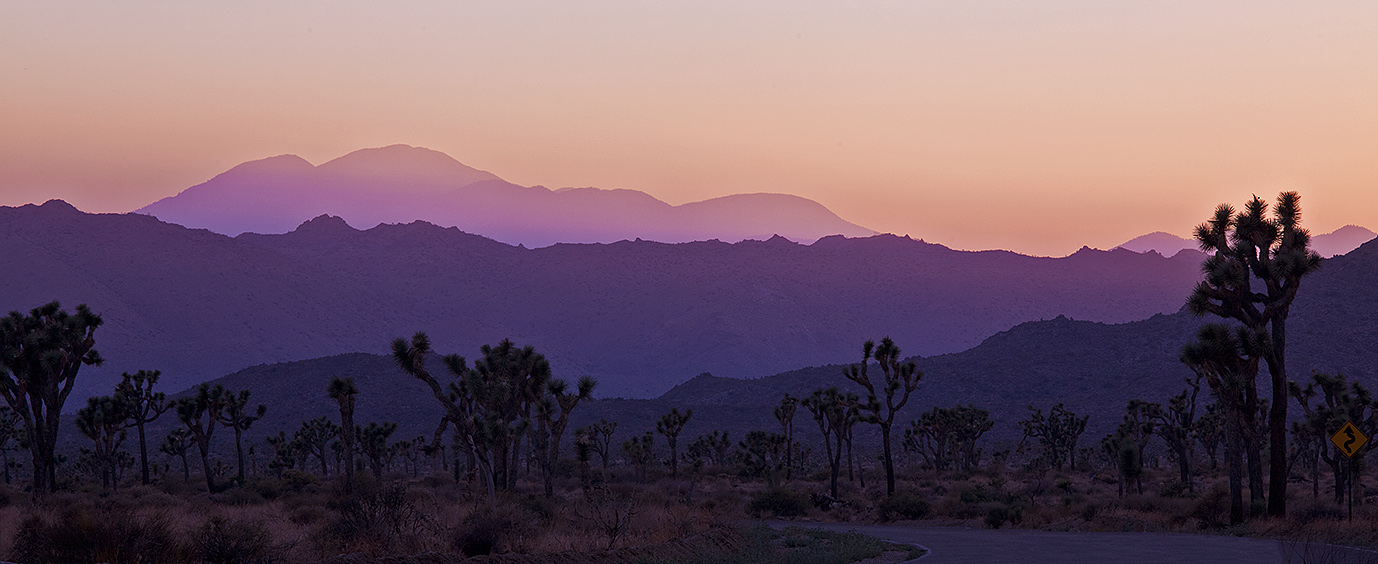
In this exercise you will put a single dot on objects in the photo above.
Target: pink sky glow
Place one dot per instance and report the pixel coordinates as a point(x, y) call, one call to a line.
point(1033, 126)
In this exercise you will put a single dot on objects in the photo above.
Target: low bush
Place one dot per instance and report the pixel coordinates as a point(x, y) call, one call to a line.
point(84, 533)
point(779, 502)
point(222, 541)
point(905, 505)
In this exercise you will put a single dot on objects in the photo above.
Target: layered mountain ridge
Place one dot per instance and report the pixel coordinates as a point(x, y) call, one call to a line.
point(640, 316)
point(400, 183)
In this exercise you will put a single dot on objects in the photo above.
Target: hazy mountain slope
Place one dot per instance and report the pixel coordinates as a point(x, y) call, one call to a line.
point(1093, 368)
point(399, 184)
point(1338, 242)
point(641, 316)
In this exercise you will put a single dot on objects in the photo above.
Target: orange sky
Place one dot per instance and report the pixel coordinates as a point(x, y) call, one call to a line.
point(1033, 126)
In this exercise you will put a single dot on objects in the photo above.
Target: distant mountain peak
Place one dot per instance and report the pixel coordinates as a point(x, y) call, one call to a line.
point(405, 164)
point(325, 223)
point(402, 183)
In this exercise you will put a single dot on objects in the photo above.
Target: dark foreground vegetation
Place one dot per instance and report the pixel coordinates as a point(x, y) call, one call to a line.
point(503, 473)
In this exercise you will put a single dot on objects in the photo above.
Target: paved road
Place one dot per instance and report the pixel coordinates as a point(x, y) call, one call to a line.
point(952, 545)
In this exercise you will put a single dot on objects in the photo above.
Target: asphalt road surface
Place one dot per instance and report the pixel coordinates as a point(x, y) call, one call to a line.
point(953, 545)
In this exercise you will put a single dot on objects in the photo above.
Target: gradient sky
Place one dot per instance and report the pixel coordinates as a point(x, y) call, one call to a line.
point(1033, 126)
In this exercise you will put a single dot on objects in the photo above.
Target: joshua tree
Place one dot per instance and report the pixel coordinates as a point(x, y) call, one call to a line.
point(232, 415)
point(551, 425)
point(947, 437)
point(373, 441)
point(342, 390)
point(712, 447)
point(1176, 424)
point(1246, 245)
point(490, 405)
point(200, 413)
point(145, 405)
point(314, 438)
point(598, 438)
point(763, 454)
point(102, 421)
point(1227, 360)
point(567, 401)
point(40, 355)
point(784, 413)
point(1057, 433)
point(640, 452)
point(670, 426)
point(901, 379)
point(1338, 401)
point(175, 445)
point(829, 409)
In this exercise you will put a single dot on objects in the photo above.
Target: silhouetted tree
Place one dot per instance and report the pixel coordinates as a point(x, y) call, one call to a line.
point(40, 356)
point(1175, 425)
point(640, 453)
point(1227, 359)
point(1337, 401)
point(583, 390)
point(598, 437)
point(829, 410)
point(947, 436)
point(552, 414)
point(670, 426)
point(784, 413)
point(201, 413)
point(314, 437)
point(900, 380)
point(1057, 433)
point(763, 454)
point(342, 390)
point(175, 445)
point(102, 421)
point(712, 448)
point(373, 442)
point(145, 406)
point(232, 415)
point(1275, 250)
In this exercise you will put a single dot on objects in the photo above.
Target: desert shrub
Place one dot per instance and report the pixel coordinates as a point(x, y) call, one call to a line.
point(1317, 511)
point(308, 515)
point(269, 489)
point(1175, 488)
point(980, 494)
point(296, 480)
point(222, 541)
point(1212, 508)
point(905, 505)
point(538, 505)
point(244, 496)
point(996, 517)
point(85, 533)
point(382, 522)
point(779, 502)
point(492, 531)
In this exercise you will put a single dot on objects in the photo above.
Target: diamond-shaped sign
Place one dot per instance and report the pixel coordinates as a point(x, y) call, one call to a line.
point(1349, 439)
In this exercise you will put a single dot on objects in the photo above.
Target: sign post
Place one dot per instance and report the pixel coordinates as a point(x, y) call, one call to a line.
point(1349, 439)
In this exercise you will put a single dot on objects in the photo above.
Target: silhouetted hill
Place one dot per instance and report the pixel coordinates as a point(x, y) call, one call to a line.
point(640, 316)
point(1337, 242)
point(1093, 368)
point(399, 184)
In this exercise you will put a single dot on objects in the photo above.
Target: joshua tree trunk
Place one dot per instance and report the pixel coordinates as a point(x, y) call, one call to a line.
point(1277, 420)
point(889, 462)
point(143, 452)
point(1234, 457)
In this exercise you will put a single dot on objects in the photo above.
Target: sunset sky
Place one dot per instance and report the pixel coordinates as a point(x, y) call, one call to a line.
point(1033, 126)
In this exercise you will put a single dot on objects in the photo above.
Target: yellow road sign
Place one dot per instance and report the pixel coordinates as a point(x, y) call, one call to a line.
point(1349, 439)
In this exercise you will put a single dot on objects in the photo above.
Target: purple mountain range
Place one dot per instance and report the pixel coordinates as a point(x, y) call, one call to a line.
point(399, 184)
point(640, 316)
point(1337, 242)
